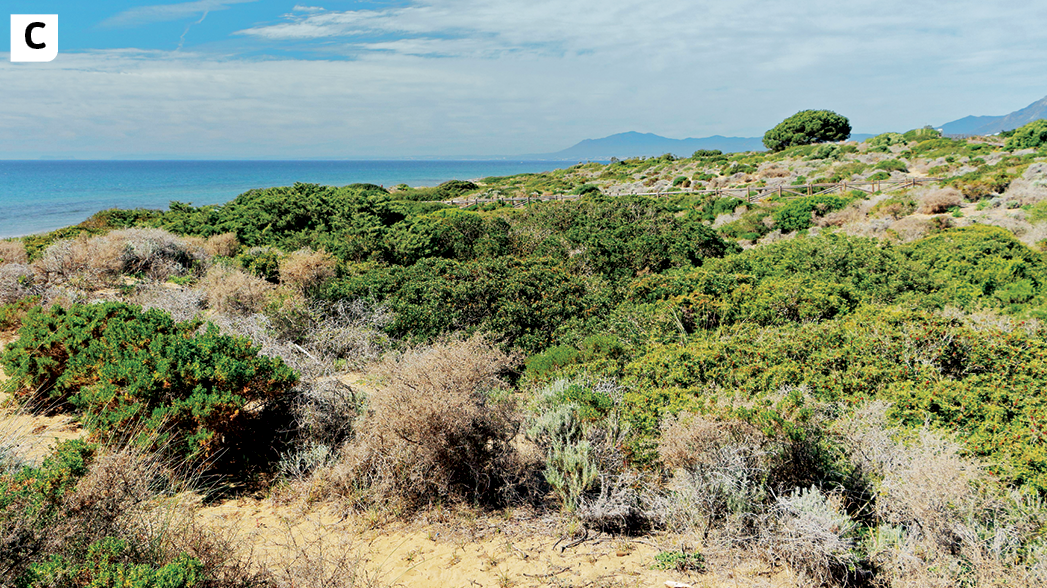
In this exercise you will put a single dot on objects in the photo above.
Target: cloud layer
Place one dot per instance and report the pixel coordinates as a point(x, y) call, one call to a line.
point(167, 12)
point(445, 77)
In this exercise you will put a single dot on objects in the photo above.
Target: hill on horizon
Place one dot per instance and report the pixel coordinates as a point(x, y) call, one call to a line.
point(990, 125)
point(634, 144)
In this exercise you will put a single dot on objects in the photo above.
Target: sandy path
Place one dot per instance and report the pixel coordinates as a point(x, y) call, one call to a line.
point(466, 551)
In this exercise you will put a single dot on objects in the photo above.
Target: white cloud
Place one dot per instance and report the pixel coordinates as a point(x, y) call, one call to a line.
point(300, 8)
point(167, 12)
point(525, 77)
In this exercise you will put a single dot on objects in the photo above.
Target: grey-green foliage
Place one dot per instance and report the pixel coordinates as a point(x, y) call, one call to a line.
point(812, 533)
point(571, 471)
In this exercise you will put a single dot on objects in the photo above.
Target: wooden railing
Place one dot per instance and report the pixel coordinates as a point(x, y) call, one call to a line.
point(749, 193)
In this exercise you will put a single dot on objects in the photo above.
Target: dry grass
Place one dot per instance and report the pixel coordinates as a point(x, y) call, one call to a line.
point(434, 430)
point(98, 262)
point(306, 269)
point(86, 263)
point(13, 252)
point(224, 245)
point(181, 303)
point(16, 282)
point(939, 200)
point(230, 290)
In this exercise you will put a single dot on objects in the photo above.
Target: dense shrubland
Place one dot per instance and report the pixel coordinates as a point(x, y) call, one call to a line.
point(849, 384)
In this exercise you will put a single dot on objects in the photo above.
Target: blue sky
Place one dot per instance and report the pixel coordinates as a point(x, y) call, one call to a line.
point(341, 79)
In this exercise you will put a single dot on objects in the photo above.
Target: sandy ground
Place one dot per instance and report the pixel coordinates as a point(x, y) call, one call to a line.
point(27, 436)
point(478, 551)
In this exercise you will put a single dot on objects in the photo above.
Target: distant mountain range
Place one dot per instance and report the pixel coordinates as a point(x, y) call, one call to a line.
point(990, 125)
point(633, 144)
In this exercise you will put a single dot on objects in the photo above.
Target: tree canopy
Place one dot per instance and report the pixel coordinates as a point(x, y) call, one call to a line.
point(806, 127)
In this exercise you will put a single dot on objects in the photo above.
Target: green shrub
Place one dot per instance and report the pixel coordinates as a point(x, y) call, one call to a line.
point(726, 205)
point(105, 567)
point(795, 215)
point(130, 372)
point(891, 165)
point(679, 561)
point(921, 134)
point(978, 383)
point(706, 153)
point(880, 175)
point(1030, 136)
point(886, 140)
point(550, 361)
point(983, 264)
point(806, 127)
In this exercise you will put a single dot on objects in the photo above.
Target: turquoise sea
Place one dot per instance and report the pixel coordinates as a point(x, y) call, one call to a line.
point(39, 196)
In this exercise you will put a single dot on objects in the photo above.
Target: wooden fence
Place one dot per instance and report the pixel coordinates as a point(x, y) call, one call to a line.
point(747, 193)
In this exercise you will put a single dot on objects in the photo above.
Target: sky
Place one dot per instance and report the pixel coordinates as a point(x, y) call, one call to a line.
point(247, 79)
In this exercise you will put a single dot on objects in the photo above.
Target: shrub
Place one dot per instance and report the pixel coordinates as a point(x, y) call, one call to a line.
point(891, 165)
point(1030, 136)
point(233, 291)
point(90, 517)
point(306, 269)
point(922, 134)
point(795, 215)
point(13, 252)
point(83, 262)
point(224, 245)
point(720, 469)
point(139, 374)
point(16, 282)
point(896, 207)
point(435, 429)
point(806, 127)
point(812, 533)
point(155, 253)
point(880, 175)
point(93, 262)
point(183, 304)
point(939, 201)
point(886, 140)
point(263, 262)
point(983, 186)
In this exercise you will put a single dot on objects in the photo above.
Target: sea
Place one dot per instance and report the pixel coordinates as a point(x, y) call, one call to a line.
point(40, 196)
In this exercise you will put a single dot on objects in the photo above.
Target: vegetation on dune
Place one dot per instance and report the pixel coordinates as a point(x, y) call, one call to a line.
point(848, 383)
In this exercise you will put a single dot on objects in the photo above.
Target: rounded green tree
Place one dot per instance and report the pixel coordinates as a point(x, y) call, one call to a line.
point(806, 127)
point(1030, 136)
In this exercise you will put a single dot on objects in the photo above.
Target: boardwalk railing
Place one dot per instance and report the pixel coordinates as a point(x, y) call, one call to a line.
point(748, 193)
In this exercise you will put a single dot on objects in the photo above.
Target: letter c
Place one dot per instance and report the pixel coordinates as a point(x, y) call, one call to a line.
point(29, 35)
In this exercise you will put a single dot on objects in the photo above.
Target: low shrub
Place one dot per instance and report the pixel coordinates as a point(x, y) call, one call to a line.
point(233, 291)
point(90, 517)
point(896, 207)
point(891, 165)
point(12, 251)
point(17, 281)
point(813, 533)
point(224, 245)
point(306, 269)
point(939, 200)
point(796, 214)
point(140, 376)
point(437, 429)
